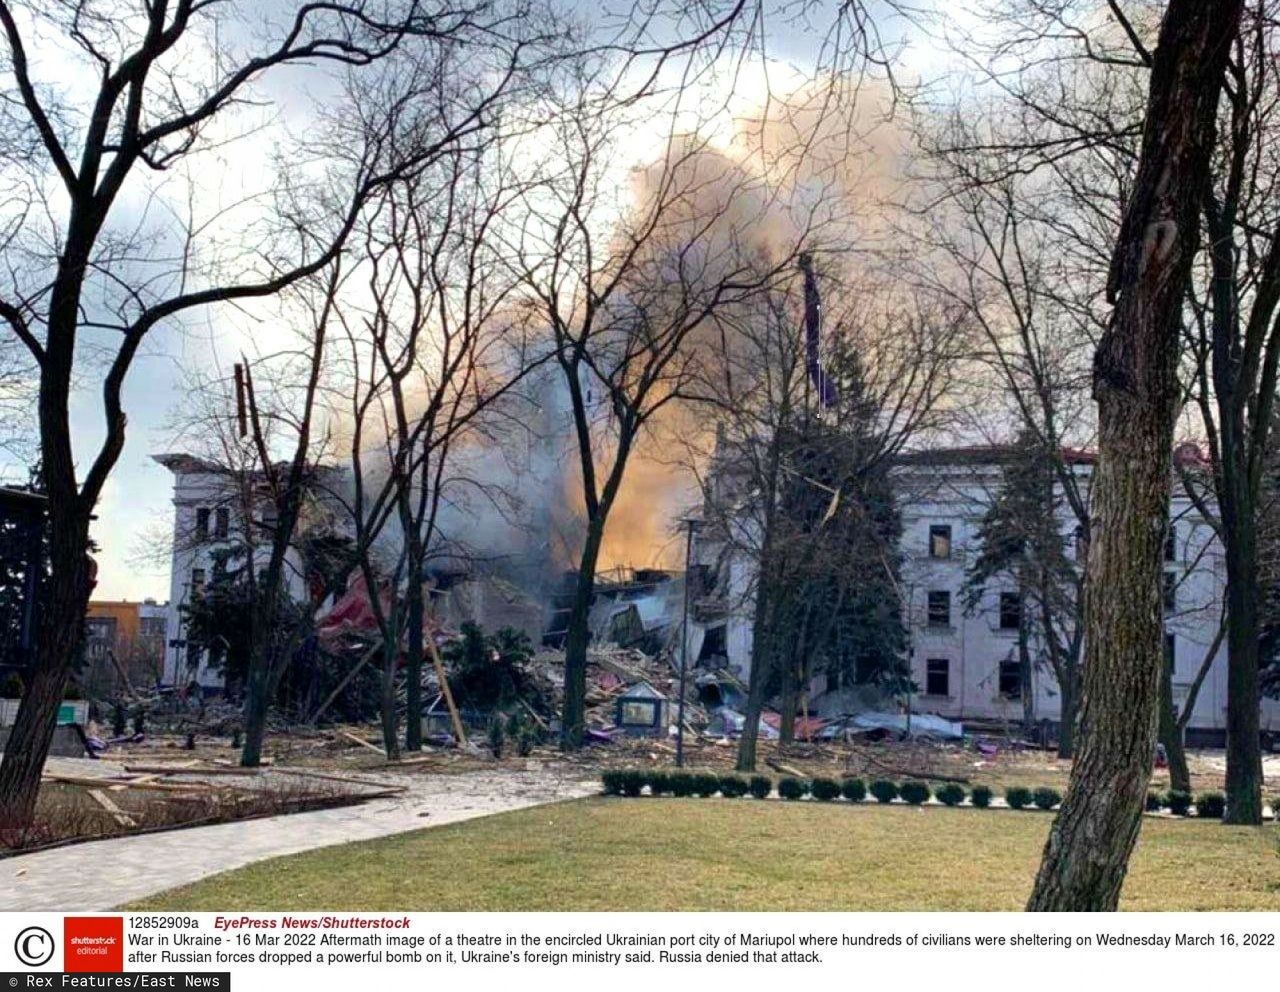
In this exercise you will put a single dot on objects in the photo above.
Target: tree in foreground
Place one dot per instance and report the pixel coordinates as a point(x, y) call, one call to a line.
point(1136, 386)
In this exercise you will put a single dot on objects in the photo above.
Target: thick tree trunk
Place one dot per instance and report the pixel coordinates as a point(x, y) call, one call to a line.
point(1135, 383)
point(1244, 747)
point(577, 636)
point(758, 679)
point(1025, 677)
point(414, 647)
point(61, 625)
point(789, 701)
point(390, 728)
point(1069, 688)
point(1170, 735)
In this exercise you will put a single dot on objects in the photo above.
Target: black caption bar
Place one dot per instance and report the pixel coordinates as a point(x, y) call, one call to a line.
point(86, 981)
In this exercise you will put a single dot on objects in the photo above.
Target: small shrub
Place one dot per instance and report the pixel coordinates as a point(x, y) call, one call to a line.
point(1179, 803)
point(915, 793)
point(1154, 802)
point(497, 736)
point(1046, 798)
point(526, 741)
point(1017, 797)
point(981, 796)
point(612, 782)
point(854, 790)
point(1211, 805)
point(1275, 808)
point(733, 786)
point(659, 784)
point(950, 794)
point(791, 788)
point(825, 789)
point(760, 786)
point(706, 785)
point(681, 784)
point(633, 781)
point(884, 790)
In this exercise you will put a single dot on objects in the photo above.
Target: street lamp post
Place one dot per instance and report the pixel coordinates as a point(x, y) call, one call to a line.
point(692, 524)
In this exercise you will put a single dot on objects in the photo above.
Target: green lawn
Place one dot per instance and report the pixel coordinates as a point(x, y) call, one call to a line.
point(715, 854)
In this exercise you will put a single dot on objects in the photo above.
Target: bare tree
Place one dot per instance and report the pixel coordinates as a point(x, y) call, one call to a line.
point(1136, 385)
point(89, 274)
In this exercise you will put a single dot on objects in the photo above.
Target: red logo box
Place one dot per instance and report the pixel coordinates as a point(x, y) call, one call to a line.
point(93, 943)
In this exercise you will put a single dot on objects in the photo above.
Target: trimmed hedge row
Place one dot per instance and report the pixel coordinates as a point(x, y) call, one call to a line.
point(632, 782)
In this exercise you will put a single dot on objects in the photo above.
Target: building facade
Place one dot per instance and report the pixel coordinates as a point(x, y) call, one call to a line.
point(964, 655)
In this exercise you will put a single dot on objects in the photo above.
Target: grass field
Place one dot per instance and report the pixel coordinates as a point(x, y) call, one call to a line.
point(713, 854)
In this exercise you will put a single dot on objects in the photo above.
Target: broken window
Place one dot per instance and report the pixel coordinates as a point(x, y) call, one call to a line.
point(939, 608)
point(1010, 611)
point(222, 523)
point(202, 523)
point(1010, 680)
point(940, 541)
point(937, 677)
point(1170, 591)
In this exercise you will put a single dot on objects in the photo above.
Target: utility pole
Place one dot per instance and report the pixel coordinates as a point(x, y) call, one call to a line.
point(692, 524)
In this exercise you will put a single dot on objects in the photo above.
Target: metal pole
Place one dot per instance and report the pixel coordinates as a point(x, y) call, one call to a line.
point(684, 642)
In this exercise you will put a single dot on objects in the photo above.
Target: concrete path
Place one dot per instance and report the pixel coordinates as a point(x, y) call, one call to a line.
point(101, 875)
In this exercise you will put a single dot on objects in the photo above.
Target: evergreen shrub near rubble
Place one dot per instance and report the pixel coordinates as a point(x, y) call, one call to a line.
point(760, 786)
point(681, 784)
point(884, 790)
point(1046, 798)
point(791, 788)
point(633, 781)
point(914, 793)
point(854, 790)
point(1211, 805)
point(1154, 802)
point(1179, 803)
point(659, 784)
point(706, 785)
point(981, 796)
point(1017, 796)
point(825, 789)
point(950, 794)
point(612, 782)
point(733, 786)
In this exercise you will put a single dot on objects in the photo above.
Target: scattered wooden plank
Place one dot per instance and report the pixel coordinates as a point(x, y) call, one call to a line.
point(778, 766)
point(193, 770)
point(346, 779)
point(122, 818)
point(362, 742)
point(116, 784)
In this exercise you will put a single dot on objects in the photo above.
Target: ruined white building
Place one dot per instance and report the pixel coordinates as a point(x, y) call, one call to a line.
point(965, 663)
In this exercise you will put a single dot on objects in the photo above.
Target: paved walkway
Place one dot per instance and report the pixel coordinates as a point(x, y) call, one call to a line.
point(101, 875)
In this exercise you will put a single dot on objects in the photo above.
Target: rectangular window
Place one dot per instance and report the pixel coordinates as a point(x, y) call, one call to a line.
point(1010, 611)
point(939, 608)
point(1171, 544)
point(940, 541)
point(222, 523)
point(1170, 591)
point(202, 523)
point(1010, 680)
point(937, 677)
point(197, 582)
